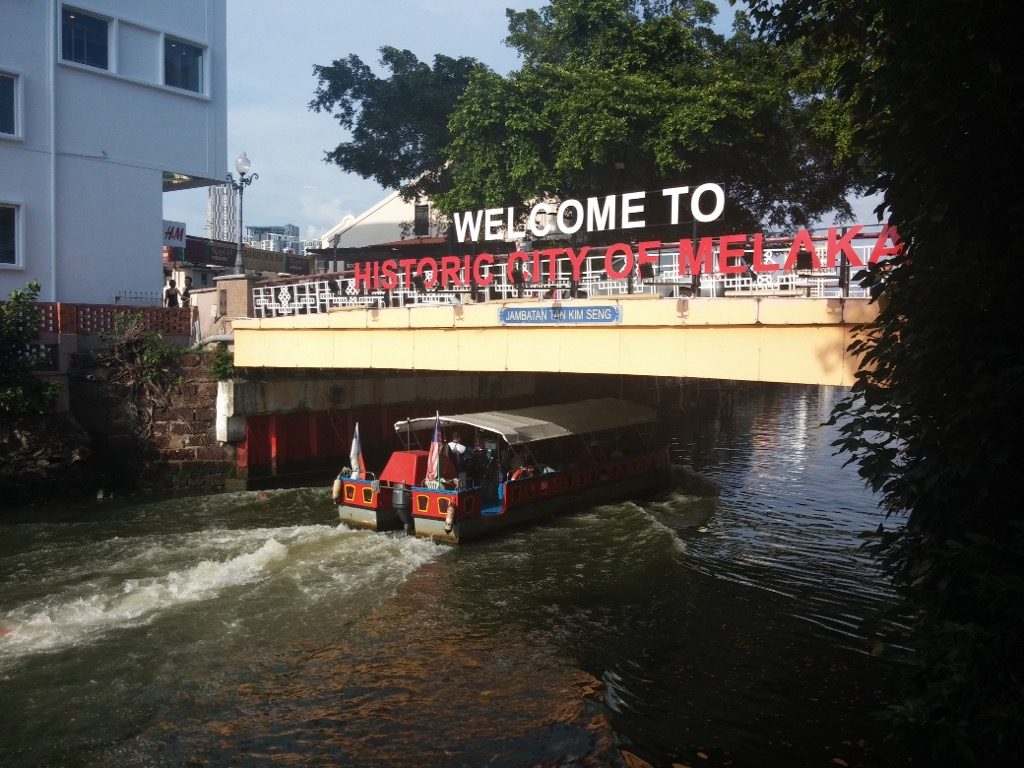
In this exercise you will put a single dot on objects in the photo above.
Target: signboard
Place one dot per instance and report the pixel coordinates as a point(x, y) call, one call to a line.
point(199, 250)
point(221, 253)
point(174, 234)
point(257, 260)
point(557, 315)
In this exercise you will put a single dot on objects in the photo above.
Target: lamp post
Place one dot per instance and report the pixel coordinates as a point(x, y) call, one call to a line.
point(242, 165)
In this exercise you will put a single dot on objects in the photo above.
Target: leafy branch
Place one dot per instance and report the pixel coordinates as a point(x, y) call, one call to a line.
point(21, 391)
point(142, 362)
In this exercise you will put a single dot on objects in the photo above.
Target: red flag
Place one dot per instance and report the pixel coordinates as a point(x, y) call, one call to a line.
point(433, 479)
point(355, 456)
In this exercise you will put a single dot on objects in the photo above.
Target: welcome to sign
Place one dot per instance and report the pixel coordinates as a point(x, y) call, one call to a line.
point(724, 254)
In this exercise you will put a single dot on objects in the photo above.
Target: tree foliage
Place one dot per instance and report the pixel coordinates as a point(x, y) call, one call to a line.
point(398, 124)
point(22, 393)
point(616, 95)
point(932, 94)
point(612, 96)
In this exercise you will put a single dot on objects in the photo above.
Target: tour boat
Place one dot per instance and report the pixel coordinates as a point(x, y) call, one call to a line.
point(517, 466)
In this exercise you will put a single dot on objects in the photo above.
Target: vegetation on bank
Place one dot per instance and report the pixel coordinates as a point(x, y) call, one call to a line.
point(143, 363)
point(222, 363)
point(932, 92)
point(22, 393)
point(41, 452)
point(127, 428)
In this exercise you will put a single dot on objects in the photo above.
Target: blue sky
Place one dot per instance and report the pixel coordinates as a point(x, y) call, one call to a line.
point(272, 47)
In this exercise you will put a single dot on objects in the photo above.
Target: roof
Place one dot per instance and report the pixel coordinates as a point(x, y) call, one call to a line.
point(350, 221)
point(526, 425)
point(411, 242)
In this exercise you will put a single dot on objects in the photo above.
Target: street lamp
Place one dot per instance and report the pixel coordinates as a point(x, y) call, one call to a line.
point(242, 165)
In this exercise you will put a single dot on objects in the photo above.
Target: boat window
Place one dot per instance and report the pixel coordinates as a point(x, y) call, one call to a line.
point(442, 505)
point(367, 495)
point(422, 502)
point(350, 492)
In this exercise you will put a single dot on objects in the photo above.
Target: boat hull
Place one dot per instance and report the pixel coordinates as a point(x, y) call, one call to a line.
point(366, 504)
point(370, 519)
point(523, 501)
point(467, 530)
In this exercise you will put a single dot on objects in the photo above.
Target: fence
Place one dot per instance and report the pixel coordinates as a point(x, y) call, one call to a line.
point(139, 298)
point(62, 319)
point(65, 329)
point(325, 292)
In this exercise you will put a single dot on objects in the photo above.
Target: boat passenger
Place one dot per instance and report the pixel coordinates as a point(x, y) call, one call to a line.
point(457, 453)
point(516, 461)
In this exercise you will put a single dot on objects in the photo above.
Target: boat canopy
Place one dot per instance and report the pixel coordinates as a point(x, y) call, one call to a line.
point(527, 425)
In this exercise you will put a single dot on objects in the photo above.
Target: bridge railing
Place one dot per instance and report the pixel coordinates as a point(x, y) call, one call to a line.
point(321, 293)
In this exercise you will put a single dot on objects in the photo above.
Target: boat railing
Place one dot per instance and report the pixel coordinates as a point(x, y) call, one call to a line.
point(350, 474)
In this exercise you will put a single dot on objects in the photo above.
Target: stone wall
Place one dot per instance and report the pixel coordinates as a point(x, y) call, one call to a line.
point(188, 457)
point(171, 449)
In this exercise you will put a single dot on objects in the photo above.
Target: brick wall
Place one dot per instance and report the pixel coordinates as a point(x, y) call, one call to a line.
point(178, 453)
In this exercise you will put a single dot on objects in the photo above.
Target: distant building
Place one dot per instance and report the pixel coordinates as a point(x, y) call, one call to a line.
point(277, 238)
point(261, 232)
point(105, 105)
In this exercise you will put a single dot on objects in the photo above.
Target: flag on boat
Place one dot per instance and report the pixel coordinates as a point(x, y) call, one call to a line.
point(433, 479)
point(355, 456)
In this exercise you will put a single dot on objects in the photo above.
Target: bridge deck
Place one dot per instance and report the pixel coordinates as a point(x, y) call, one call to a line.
point(795, 340)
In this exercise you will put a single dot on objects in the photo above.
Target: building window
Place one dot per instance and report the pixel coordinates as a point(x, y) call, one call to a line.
point(84, 38)
point(8, 104)
point(421, 221)
point(183, 65)
point(8, 235)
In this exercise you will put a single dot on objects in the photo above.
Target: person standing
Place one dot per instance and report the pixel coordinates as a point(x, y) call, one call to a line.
point(172, 296)
point(186, 293)
point(457, 454)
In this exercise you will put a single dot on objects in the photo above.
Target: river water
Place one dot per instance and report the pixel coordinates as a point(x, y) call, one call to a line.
point(250, 629)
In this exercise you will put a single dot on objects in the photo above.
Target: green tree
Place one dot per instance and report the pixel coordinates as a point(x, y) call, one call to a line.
point(612, 95)
point(617, 95)
point(398, 124)
point(932, 95)
point(22, 393)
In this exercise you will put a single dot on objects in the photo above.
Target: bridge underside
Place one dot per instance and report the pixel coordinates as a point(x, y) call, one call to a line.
point(744, 339)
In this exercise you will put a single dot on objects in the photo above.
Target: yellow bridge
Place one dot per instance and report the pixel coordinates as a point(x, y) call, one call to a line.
point(768, 339)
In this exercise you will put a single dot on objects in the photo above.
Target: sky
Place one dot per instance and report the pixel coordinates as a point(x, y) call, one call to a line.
point(271, 49)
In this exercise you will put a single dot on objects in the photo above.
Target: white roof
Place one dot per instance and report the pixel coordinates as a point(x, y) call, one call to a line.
point(525, 425)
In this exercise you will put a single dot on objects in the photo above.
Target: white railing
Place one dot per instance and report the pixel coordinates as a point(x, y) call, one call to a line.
point(138, 298)
point(329, 291)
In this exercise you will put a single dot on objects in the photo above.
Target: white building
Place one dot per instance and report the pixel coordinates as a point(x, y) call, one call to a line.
point(104, 106)
point(391, 219)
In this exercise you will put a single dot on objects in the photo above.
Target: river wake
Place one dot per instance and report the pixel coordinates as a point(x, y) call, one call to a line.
point(122, 584)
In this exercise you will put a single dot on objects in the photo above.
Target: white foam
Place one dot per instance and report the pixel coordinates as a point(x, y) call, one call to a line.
point(58, 620)
point(321, 560)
